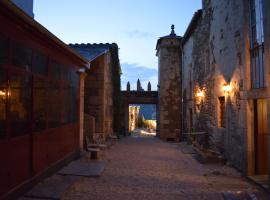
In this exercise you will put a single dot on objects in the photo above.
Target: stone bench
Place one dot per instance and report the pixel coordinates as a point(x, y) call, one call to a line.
point(100, 146)
point(95, 153)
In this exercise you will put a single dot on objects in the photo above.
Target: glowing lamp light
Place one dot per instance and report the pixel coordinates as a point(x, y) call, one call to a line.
point(2, 93)
point(227, 88)
point(200, 94)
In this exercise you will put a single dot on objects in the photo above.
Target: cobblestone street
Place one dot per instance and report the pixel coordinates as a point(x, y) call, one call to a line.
point(147, 168)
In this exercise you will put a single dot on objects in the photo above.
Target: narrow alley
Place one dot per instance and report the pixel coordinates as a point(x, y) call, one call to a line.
point(148, 168)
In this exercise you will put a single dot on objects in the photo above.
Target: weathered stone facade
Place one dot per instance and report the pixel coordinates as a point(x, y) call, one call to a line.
point(169, 87)
point(102, 89)
point(133, 117)
point(219, 92)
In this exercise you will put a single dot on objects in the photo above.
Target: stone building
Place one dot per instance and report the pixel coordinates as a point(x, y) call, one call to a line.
point(133, 117)
point(102, 88)
point(169, 86)
point(225, 64)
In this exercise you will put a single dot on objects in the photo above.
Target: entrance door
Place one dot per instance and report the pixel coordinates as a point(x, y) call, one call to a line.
point(260, 118)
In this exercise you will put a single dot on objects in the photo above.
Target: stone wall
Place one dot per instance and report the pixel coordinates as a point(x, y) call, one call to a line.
point(170, 95)
point(266, 13)
point(98, 95)
point(214, 55)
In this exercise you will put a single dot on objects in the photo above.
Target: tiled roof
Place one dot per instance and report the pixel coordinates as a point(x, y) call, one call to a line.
point(92, 51)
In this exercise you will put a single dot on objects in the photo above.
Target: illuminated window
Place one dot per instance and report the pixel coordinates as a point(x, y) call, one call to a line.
point(221, 112)
point(257, 44)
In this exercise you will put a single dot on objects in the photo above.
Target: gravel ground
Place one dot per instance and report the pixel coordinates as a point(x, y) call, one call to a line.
point(147, 168)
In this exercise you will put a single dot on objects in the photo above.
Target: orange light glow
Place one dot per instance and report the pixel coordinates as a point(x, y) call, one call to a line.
point(2, 93)
point(227, 88)
point(200, 94)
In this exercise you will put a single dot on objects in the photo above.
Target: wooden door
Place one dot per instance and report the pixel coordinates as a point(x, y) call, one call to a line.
point(260, 117)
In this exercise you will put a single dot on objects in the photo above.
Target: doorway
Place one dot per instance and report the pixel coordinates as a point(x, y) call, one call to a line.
point(260, 136)
point(142, 119)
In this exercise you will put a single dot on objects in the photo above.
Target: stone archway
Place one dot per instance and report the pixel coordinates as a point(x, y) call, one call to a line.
point(135, 97)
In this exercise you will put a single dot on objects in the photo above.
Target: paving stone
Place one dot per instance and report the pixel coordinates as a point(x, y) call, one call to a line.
point(51, 188)
point(80, 168)
point(150, 169)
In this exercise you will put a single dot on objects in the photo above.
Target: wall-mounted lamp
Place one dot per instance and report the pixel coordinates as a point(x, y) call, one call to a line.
point(2, 93)
point(227, 88)
point(200, 94)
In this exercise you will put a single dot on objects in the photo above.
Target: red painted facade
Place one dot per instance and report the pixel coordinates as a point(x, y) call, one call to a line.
point(39, 99)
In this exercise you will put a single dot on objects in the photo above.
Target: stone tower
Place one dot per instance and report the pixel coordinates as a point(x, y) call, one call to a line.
point(169, 86)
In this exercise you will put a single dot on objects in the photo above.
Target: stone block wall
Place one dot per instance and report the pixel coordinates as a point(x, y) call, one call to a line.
point(98, 95)
point(216, 54)
point(170, 95)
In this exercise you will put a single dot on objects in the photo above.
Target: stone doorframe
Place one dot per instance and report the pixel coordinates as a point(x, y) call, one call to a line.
point(135, 97)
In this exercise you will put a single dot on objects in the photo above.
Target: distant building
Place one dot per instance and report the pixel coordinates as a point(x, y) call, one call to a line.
point(133, 117)
point(26, 6)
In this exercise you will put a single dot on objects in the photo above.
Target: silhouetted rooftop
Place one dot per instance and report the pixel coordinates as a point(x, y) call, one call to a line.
point(92, 51)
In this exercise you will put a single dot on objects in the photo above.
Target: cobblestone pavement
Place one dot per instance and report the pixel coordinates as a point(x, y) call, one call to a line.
point(147, 168)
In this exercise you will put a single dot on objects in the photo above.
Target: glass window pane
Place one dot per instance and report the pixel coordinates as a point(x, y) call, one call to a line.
point(40, 105)
point(3, 98)
point(55, 70)
point(4, 50)
point(20, 102)
point(39, 64)
point(21, 56)
point(75, 96)
point(67, 104)
point(54, 105)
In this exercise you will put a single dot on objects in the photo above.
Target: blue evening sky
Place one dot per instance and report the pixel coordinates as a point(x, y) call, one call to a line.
point(135, 25)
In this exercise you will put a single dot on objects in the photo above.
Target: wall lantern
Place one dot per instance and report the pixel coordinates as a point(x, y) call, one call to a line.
point(227, 88)
point(200, 94)
point(2, 93)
